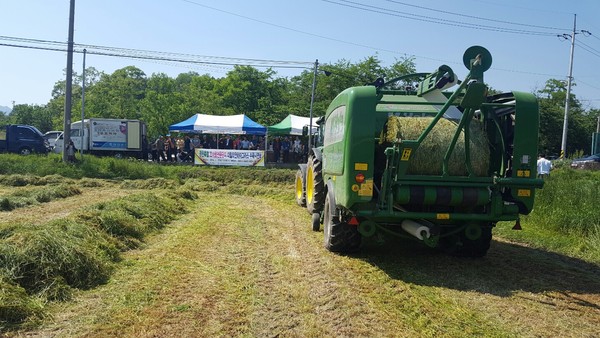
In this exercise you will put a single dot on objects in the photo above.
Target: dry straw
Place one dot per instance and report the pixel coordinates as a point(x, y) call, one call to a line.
point(428, 158)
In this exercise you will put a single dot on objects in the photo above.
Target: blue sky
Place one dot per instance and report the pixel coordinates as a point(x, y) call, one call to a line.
point(304, 31)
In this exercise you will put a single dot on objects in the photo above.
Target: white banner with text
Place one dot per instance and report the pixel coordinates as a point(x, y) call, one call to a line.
point(242, 158)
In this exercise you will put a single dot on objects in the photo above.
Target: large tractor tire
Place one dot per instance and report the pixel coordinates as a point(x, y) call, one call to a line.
point(315, 189)
point(300, 190)
point(338, 236)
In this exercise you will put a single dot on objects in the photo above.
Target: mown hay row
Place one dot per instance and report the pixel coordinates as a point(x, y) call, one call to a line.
point(428, 158)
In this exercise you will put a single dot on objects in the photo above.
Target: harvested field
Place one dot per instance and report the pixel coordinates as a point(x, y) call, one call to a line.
point(248, 265)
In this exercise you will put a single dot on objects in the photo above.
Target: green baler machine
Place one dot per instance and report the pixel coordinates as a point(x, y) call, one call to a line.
point(388, 164)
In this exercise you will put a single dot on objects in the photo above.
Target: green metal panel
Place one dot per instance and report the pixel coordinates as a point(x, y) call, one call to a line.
point(525, 145)
point(349, 144)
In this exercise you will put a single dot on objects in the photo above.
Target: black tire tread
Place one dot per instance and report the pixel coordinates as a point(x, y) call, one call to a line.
point(318, 198)
point(343, 238)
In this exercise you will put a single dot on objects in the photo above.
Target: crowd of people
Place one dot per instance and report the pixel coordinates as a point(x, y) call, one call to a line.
point(181, 149)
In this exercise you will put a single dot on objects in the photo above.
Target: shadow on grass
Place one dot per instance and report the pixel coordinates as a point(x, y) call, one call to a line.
point(506, 268)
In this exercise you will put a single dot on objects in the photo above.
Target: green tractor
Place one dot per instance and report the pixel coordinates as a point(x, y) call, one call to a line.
point(410, 159)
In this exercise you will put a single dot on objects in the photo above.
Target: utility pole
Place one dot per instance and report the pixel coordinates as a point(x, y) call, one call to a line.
point(81, 131)
point(563, 145)
point(312, 100)
point(69, 89)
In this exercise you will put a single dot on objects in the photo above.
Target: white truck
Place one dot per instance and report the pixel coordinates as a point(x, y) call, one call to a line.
point(108, 137)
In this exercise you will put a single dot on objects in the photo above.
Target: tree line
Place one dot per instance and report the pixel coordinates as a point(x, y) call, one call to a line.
point(161, 100)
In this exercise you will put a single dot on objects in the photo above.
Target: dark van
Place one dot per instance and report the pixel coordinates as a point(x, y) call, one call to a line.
point(22, 139)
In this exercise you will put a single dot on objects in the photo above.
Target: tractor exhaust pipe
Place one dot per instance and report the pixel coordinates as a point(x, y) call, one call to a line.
point(418, 230)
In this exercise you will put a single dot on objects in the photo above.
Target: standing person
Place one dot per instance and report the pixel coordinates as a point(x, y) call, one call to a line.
point(244, 144)
point(154, 152)
point(285, 148)
point(277, 148)
point(297, 149)
point(206, 142)
point(543, 166)
point(171, 149)
point(195, 143)
point(71, 151)
point(160, 149)
point(187, 144)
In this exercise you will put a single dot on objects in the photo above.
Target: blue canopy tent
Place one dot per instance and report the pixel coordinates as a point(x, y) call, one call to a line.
point(214, 124)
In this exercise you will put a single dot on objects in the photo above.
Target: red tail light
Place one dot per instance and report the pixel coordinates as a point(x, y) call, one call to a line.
point(360, 178)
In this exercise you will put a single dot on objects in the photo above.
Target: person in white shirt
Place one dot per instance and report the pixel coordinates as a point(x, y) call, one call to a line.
point(543, 167)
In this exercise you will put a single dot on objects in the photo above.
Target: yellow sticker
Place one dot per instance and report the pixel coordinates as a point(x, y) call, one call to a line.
point(443, 216)
point(406, 154)
point(355, 187)
point(361, 166)
point(366, 189)
point(524, 193)
point(523, 173)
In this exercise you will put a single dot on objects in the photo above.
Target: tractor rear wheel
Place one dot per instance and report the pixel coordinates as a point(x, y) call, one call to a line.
point(300, 191)
point(315, 189)
point(338, 236)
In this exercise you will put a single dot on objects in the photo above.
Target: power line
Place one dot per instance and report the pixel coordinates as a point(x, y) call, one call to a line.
point(354, 43)
point(588, 48)
point(180, 57)
point(423, 18)
point(587, 84)
point(475, 17)
point(152, 55)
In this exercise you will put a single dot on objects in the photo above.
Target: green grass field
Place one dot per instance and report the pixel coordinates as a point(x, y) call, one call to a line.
point(96, 214)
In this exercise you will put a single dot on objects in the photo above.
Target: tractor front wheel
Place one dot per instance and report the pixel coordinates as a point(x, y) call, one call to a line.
point(300, 191)
point(315, 189)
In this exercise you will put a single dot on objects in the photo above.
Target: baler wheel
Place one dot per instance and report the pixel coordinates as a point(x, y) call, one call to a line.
point(338, 236)
point(316, 221)
point(315, 189)
point(463, 246)
point(300, 190)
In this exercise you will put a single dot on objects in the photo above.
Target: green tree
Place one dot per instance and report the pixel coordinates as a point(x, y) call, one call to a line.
point(552, 108)
point(249, 91)
point(56, 105)
point(117, 95)
point(34, 115)
point(159, 105)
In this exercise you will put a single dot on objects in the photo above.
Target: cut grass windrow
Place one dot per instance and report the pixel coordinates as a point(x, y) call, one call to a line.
point(47, 261)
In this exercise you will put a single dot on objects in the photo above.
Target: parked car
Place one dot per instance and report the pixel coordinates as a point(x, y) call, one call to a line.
point(51, 137)
point(586, 161)
point(22, 139)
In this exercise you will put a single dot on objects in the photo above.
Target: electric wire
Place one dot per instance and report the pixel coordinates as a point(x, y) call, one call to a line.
point(588, 46)
point(583, 46)
point(423, 18)
point(153, 55)
point(475, 17)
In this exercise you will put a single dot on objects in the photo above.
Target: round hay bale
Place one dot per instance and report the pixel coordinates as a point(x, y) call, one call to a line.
point(428, 158)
